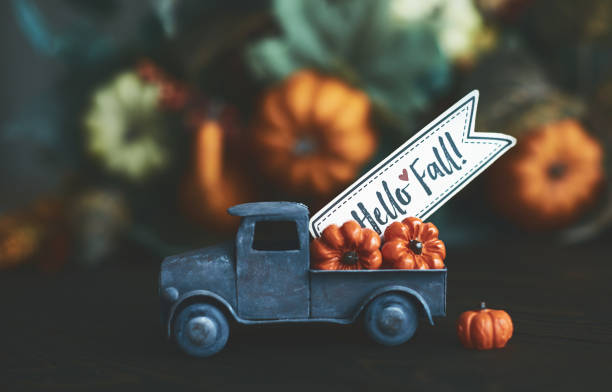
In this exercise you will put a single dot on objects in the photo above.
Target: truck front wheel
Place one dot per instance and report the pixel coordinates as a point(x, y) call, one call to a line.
point(201, 330)
point(391, 319)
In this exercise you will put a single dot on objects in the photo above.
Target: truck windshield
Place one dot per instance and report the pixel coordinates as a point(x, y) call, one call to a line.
point(276, 236)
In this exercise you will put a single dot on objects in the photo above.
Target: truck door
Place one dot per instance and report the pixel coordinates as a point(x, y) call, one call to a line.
point(272, 268)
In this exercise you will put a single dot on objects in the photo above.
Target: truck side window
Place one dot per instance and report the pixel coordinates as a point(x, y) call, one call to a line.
point(276, 235)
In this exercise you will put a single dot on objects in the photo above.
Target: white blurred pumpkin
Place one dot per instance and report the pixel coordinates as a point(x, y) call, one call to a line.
point(459, 27)
point(125, 128)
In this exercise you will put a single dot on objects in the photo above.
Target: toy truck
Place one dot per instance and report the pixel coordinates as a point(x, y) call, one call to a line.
point(264, 276)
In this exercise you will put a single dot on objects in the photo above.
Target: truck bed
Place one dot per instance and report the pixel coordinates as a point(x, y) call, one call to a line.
point(342, 294)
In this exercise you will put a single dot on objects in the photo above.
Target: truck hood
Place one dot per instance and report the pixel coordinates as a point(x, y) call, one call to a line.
point(204, 268)
point(221, 253)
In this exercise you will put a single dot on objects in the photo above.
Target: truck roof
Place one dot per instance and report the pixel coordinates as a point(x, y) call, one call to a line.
point(282, 208)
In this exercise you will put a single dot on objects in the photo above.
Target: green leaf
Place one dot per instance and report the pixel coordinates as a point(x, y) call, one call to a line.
point(300, 32)
point(271, 59)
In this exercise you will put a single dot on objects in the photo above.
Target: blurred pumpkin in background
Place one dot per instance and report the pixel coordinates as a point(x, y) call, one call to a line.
point(19, 241)
point(412, 244)
point(98, 218)
point(214, 184)
point(346, 247)
point(600, 118)
point(37, 232)
point(312, 134)
point(550, 177)
point(125, 129)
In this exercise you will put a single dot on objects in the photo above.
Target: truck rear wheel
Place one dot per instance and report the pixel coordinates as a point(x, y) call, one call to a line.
point(201, 330)
point(391, 319)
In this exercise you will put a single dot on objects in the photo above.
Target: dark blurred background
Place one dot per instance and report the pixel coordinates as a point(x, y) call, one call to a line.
point(130, 127)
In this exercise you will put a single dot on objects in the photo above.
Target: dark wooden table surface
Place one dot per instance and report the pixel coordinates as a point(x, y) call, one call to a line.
point(99, 330)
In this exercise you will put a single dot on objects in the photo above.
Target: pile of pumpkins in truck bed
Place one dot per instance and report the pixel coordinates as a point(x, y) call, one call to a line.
point(409, 244)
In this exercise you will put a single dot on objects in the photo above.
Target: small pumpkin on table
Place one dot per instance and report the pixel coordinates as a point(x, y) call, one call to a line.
point(484, 329)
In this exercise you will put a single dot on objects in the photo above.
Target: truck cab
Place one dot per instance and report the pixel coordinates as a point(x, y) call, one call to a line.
point(272, 250)
point(264, 276)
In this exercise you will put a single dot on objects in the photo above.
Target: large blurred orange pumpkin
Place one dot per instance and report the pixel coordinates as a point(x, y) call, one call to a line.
point(213, 186)
point(312, 134)
point(550, 177)
point(412, 244)
point(347, 247)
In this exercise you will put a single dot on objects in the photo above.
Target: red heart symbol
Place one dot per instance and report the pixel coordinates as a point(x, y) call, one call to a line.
point(404, 175)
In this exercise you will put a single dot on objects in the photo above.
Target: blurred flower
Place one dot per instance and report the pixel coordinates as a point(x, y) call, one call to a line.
point(550, 177)
point(312, 134)
point(457, 24)
point(124, 128)
point(400, 67)
point(97, 219)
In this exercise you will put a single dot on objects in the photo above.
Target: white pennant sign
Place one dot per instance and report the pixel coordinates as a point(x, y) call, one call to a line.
point(421, 175)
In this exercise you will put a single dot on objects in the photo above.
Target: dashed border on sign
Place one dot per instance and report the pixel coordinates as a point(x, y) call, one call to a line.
point(431, 133)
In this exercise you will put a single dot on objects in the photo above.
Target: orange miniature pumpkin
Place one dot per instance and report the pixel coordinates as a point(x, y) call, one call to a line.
point(412, 244)
point(212, 187)
point(484, 329)
point(348, 247)
point(550, 177)
point(313, 134)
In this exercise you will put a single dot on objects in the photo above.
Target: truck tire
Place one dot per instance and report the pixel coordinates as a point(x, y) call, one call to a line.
point(201, 330)
point(391, 319)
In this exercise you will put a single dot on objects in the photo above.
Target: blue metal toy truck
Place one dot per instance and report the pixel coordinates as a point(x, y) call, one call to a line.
point(264, 276)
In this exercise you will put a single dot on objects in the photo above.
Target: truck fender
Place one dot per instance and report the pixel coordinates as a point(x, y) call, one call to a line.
point(200, 294)
point(402, 289)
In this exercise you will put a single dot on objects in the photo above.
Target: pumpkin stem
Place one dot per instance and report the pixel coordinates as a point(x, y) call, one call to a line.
point(305, 146)
point(416, 247)
point(557, 170)
point(350, 257)
point(483, 305)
